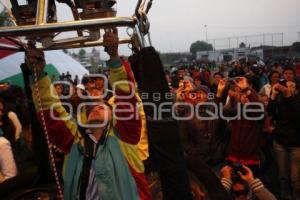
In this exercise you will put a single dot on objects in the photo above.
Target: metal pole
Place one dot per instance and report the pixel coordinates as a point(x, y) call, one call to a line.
point(42, 11)
point(206, 32)
point(214, 45)
point(272, 45)
point(66, 26)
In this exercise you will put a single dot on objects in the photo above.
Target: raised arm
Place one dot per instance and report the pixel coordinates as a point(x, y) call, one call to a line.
point(62, 130)
point(128, 122)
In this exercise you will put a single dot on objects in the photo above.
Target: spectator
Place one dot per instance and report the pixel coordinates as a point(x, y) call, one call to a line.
point(216, 79)
point(273, 77)
point(80, 90)
point(236, 71)
point(10, 123)
point(59, 89)
point(241, 183)
point(99, 84)
point(254, 78)
point(284, 107)
point(76, 80)
point(8, 167)
point(197, 81)
point(289, 74)
point(244, 145)
point(104, 163)
point(204, 138)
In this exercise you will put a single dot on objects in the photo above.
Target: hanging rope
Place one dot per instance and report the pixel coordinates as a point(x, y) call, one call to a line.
point(60, 195)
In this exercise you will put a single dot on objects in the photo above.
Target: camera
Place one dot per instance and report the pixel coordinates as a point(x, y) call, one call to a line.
point(281, 82)
point(237, 167)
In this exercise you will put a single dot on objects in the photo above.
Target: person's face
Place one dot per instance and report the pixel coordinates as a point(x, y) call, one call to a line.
point(58, 89)
point(79, 92)
point(91, 85)
point(99, 83)
point(196, 73)
point(72, 90)
point(246, 69)
point(217, 79)
point(181, 73)
point(275, 78)
point(197, 82)
point(100, 115)
point(288, 75)
point(239, 192)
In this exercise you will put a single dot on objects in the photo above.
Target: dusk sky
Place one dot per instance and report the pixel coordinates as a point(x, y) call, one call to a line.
point(175, 24)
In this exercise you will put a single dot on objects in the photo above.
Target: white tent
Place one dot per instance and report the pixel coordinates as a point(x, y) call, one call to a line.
point(57, 63)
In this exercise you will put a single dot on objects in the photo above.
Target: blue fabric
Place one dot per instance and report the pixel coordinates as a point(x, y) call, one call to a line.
point(114, 63)
point(263, 80)
point(113, 176)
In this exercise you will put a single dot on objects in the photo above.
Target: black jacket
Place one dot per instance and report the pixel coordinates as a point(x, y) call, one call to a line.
point(286, 115)
point(205, 139)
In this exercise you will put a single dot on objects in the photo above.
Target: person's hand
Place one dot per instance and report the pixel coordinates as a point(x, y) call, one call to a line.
point(34, 58)
point(221, 87)
point(248, 176)
point(226, 172)
point(284, 90)
point(241, 82)
point(111, 43)
point(270, 129)
point(244, 99)
point(274, 92)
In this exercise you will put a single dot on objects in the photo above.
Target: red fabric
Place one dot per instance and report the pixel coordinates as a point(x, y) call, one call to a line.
point(58, 132)
point(252, 161)
point(142, 184)
point(129, 130)
point(5, 53)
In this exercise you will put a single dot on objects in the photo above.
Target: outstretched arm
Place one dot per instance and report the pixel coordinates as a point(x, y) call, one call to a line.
point(128, 122)
point(62, 130)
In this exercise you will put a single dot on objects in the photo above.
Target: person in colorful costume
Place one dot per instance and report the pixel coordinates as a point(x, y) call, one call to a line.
point(118, 147)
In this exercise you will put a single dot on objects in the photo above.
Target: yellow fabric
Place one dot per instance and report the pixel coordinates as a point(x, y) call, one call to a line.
point(132, 157)
point(119, 74)
point(143, 148)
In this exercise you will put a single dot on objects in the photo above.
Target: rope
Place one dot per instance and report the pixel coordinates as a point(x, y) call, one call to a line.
point(60, 195)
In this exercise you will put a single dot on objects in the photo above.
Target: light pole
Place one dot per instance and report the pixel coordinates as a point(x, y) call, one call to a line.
point(205, 26)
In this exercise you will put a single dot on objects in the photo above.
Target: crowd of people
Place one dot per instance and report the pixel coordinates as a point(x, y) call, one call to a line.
point(252, 141)
point(240, 121)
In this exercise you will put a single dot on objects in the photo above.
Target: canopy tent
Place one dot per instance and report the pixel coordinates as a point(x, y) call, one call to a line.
point(57, 63)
